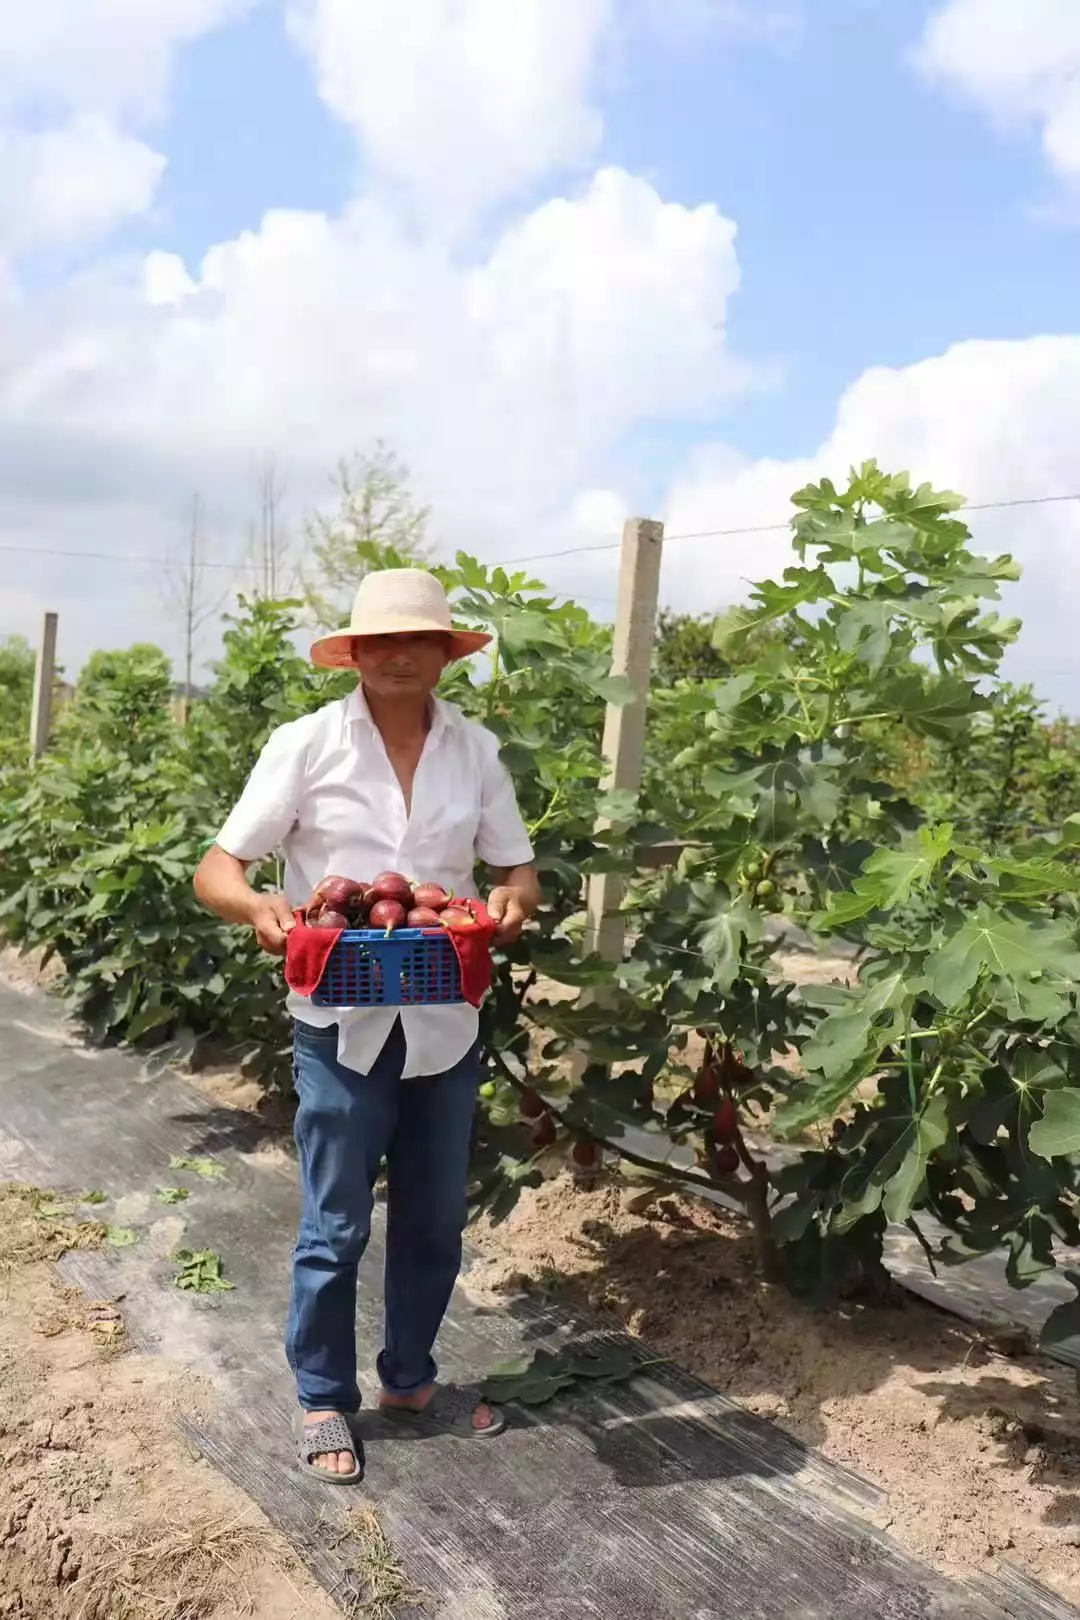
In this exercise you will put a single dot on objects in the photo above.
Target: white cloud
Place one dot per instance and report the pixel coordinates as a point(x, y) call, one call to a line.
point(100, 55)
point(507, 373)
point(472, 102)
point(78, 81)
point(596, 310)
point(993, 420)
point(1019, 60)
point(615, 299)
point(505, 383)
point(166, 279)
point(71, 184)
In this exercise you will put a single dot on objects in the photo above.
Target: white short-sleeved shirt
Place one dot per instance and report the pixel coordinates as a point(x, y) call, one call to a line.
point(324, 792)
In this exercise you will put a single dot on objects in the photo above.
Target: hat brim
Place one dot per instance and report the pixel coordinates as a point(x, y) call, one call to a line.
point(336, 651)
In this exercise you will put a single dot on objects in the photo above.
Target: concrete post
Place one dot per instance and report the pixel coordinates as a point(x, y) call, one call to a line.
point(624, 725)
point(44, 676)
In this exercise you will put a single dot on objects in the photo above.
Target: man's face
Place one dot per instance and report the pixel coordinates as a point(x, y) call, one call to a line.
point(404, 665)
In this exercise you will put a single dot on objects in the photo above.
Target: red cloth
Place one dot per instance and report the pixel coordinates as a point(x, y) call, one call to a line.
point(473, 947)
point(308, 952)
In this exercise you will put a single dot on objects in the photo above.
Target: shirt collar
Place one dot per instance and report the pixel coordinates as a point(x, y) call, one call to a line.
point(357, 712)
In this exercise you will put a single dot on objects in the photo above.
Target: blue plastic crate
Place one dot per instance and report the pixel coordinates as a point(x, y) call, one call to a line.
point(413, 967)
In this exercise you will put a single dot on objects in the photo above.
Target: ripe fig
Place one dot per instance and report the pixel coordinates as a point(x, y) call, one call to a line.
point(585, 1153)
point(431, 894)
point(339, 892)
point(422, 917)
point(545, 1132)
point(392, 886)
point(726, 1121)
point(726, 1161)
point(707, 1085)
point(331, 919)
point(455, 917)
point(532, 1105)
point(387, 914)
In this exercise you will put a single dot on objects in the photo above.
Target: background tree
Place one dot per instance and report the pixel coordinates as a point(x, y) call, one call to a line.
point(943, 1078)
point(16, 694)
point(122, 700)
point(686, 650)
point(271, 553)
point(1012, 774)
point(377, 524)
point(192, 595)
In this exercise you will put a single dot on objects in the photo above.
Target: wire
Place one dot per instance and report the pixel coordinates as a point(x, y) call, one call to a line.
point(1030, 500)
point(118, 556)
point(775, 528)
point(571, 551)
point(536, 556)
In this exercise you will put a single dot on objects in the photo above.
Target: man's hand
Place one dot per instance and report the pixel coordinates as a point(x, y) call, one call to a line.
point(505, 909)
point(222, 886)
point(273, 922)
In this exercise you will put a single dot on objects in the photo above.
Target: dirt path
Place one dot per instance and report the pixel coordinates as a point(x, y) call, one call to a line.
point(979, 1454)
point(104, 1509)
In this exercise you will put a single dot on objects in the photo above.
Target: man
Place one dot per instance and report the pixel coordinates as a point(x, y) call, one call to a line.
point(390, 779)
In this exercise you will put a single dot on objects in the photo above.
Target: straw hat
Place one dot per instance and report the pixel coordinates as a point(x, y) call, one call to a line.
point(394, 602)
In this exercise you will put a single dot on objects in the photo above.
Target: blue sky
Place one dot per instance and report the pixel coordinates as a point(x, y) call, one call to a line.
point(903, 221)
point(879, 221)
point(246, 132)
point(516, 259)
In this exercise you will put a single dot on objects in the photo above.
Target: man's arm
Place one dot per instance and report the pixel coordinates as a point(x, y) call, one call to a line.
point(222, 886)
point(513, 900)
point(262, 817)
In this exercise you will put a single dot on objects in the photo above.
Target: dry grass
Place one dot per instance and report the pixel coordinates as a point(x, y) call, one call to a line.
point(41, 1225)
point(100, 1319)
point(375, 1586)
point(182, 1574)
point(105, 1514)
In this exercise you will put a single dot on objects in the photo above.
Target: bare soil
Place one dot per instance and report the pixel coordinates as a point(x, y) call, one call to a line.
point(978, 1454)
point(106, 1513)
point(24, 970)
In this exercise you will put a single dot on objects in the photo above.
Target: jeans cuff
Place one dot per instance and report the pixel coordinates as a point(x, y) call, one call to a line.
point(348, 1407)
point(395, 1387)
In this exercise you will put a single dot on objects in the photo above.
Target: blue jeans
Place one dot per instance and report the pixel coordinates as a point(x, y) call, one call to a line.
point(345, 1125)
